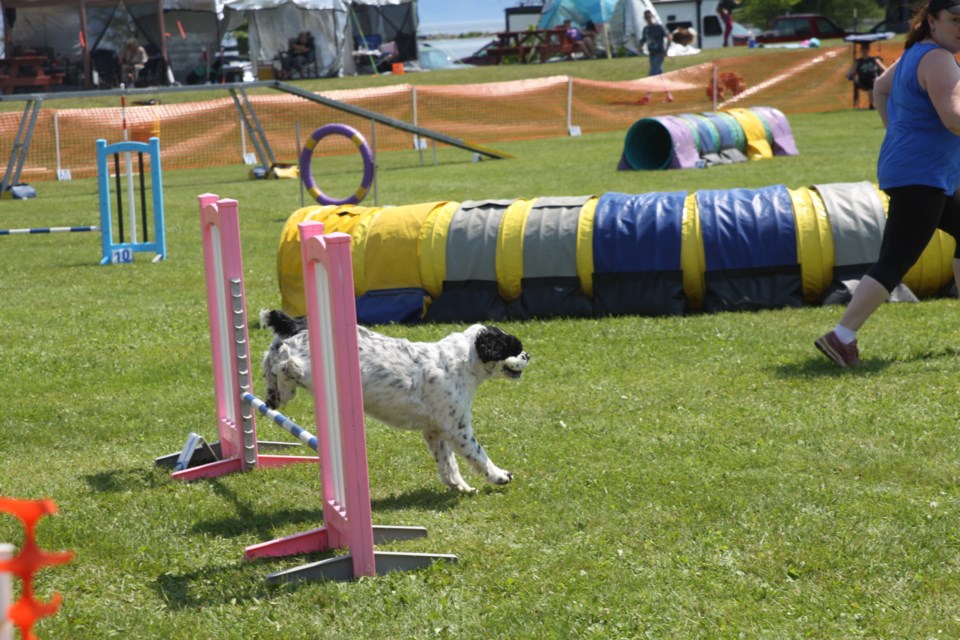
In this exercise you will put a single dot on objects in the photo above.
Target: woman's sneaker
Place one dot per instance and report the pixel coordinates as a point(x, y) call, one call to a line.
point(845, 355)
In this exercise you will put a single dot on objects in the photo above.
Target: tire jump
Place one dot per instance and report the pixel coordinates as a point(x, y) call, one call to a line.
point(306, 154)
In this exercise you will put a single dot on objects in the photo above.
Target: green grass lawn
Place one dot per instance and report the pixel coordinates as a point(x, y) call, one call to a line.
point(708, 476)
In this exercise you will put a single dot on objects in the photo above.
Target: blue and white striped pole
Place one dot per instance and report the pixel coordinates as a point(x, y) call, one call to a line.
point(295, 430)
point(10, 232)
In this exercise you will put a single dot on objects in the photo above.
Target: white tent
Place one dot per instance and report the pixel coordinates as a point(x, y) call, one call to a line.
point(187, 33)
point(334, 25)
point(176, 30)
point(623, 19)
point(272, 23)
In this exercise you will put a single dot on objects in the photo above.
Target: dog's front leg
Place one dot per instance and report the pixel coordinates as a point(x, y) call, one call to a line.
point(464, 443)
point(446, 462)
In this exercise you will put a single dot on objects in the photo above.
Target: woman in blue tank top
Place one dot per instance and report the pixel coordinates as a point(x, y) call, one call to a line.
point(918, 99)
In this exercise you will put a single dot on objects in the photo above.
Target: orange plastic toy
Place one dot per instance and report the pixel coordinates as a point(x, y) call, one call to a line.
point(27, 610)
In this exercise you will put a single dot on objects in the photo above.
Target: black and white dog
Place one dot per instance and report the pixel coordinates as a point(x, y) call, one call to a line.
point(425, 386)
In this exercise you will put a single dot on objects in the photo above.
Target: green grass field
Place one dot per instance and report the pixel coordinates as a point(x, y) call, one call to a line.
point(709, 476)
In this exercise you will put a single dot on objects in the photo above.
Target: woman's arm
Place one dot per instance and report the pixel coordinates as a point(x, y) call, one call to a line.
point(939, 75)
point(881, 91)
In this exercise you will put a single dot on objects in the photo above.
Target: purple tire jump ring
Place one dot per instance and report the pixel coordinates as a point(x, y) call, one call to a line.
point(307, 177)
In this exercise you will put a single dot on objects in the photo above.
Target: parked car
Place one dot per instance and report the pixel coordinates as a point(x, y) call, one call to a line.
point(430, 58)
point(480, 56)
point(796, 28)
point(892, 26)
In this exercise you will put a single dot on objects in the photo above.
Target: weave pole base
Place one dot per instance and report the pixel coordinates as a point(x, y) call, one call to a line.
point(341, 567)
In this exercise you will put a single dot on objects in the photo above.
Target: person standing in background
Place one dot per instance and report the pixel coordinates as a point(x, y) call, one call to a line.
point(656, 40)
point(725, 11)
point(865, 70)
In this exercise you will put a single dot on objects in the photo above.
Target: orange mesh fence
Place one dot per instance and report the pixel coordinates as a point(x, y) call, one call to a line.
point(211, 133)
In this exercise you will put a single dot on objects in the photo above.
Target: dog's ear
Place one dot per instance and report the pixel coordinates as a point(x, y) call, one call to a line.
point(281, 324)
point(493, 345)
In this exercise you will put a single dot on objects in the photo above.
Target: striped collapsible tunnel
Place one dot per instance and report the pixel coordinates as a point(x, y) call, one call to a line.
point(648, 254)
point(700, 140)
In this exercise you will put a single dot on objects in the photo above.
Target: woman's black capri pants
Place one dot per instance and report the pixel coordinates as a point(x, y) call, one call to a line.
point(914, 214)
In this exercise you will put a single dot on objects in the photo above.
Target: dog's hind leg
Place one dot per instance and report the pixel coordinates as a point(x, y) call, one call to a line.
point(446, 462)
point(464, 443)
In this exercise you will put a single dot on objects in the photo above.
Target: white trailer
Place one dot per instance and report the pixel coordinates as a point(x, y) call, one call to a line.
point(701, 15)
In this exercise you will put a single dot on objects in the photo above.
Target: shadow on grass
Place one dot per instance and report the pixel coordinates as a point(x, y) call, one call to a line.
point(264, 525)
point(820, 366)
point(435, 499)
point(250, 521)
point(122, 480)
point(227, 584)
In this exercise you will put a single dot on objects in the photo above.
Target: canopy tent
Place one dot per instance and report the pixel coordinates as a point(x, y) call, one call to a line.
point(334, 25)
point(187, 33)
point(393, 20)
point(272, 23)
point(623, 18)
point(74, 29)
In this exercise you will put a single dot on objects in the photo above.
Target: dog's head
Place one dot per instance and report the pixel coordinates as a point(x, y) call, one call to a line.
point(502, 354)
point(285, 364)
point(283, 372)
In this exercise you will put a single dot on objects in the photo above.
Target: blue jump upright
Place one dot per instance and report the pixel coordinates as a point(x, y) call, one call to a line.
point(122, 251)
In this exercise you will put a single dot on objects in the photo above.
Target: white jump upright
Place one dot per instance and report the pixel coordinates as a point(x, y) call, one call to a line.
point(238, 448)
point(338, 410)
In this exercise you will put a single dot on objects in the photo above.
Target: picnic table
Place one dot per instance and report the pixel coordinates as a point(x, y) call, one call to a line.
point(531, 45)
point(26, 71)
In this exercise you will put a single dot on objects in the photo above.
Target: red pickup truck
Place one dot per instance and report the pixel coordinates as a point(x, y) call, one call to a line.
point(796, 28)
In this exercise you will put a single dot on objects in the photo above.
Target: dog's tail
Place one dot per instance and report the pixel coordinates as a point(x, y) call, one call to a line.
point(282, 325)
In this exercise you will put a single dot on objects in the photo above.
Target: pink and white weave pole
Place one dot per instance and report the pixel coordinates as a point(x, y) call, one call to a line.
point(229, 344)
point(338, 410)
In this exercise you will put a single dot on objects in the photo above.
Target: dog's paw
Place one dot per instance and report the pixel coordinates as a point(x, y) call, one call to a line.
point(461, 486)
point(501, 477)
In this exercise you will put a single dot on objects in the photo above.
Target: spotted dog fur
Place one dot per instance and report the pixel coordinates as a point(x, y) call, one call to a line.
point(423, 386)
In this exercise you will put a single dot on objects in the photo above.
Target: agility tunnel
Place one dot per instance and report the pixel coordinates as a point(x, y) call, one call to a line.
point(646, 254)
point(691, 140)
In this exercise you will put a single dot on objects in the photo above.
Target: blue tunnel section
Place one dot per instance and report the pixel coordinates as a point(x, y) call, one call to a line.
point(751, 250)
point(636, 249)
